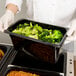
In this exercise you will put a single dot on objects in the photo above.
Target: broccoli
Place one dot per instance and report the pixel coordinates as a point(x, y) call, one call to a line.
point(34, 31)
point(39, 28)
point(33, 36)
point(37, 32)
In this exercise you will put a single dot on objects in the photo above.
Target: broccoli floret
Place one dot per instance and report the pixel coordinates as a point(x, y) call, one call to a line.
point(33, 36)
point(43, 34)
point(18, 30)
point(27, 31)
point(31, 25)
point(25, 24)
point(57, 34)
point(34, 31)
point(39, 28)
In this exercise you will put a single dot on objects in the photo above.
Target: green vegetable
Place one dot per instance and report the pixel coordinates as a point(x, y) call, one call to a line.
point(37, 32)
point(34, 36)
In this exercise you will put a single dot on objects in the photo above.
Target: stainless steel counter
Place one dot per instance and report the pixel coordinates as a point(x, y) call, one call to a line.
point(5, 39)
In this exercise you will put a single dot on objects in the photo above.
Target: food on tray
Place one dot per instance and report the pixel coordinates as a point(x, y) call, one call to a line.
point(37, 32)
point(20, 73)
point(1, 54)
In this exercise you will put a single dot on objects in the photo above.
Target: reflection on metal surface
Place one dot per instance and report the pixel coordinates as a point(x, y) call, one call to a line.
point(70, 64)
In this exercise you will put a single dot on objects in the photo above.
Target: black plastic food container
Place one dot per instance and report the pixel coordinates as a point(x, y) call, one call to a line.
point(7, 50)
point(20, 58)
point(24, 62)
point(38, 72)
point(43, 50)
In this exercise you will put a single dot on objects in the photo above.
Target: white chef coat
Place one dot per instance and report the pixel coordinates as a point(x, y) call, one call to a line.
point(57, 12)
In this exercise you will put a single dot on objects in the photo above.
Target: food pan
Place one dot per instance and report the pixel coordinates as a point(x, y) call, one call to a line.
point(43, 50)
point(25, 60)
point(20, 58)
point(25, 70)
point(6, 50)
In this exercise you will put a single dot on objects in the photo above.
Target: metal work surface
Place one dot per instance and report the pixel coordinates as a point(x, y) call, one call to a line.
point(70, 64)
point(5, 39)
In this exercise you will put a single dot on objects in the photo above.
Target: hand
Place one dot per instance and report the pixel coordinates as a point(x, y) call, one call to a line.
point(72, 28)
point(6, 20)
point(71, 33)
point(70, 38)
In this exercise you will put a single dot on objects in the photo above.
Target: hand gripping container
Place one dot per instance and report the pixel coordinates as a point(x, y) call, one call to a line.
point(45, 51)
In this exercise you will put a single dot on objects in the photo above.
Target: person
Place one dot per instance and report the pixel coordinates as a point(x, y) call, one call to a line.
point(55, 12)
point(8, 18)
